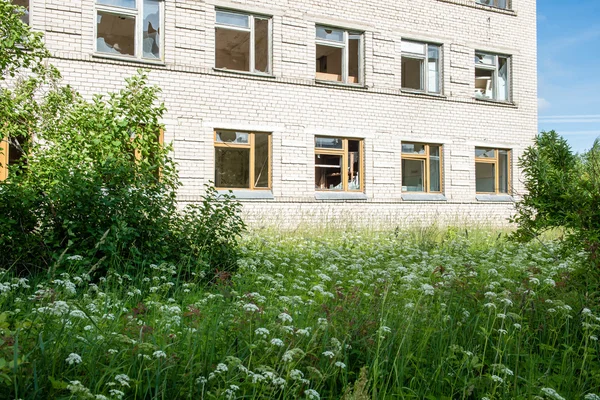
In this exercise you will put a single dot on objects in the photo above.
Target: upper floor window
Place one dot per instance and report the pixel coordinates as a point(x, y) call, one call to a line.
point(421, 168)
point(242, 160)
point(243, 42)
point(492, 170)
point(338, 164)
point(495, 3)
point(339, 55)
point(25, 5)
point(421, 66)
point(131, 28)
point(492, 78)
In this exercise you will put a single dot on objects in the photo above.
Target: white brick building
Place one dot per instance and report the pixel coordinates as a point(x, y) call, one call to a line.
point(310, 110)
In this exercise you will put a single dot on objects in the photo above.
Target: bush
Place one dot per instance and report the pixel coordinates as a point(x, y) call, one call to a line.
point(563, 191)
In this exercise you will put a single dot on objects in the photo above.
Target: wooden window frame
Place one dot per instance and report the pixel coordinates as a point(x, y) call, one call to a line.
point(496, 162)
point(4, 157)
point(251, 146)
point(425, 157)
point(343, 152)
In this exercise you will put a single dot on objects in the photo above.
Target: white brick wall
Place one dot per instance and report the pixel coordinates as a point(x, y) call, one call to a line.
point(294, 108)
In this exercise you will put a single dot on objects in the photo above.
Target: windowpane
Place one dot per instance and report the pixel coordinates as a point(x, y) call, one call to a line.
point(232, 49)
point(261, 161)
point(151, 44)
point(502, 3)
point(330, 34)
point(412, 73)
point(484, 83)
point(485, 177)
point(329, 63)
point(116, 34)
point(328, 172)
point(413, 148)
point(24, 4)
point(503, 79)
point(118, 3)
point(328, 143)
point(228, 18)
point(232, 168)
point(435, 181)
point(261, 45)
point(354, 165)
point(503, 171)
point(232, 137)
point(353, 59)
point(413, 175)
point(485, 59)
point(413, 47)
point(484, 153)
point(433, 69)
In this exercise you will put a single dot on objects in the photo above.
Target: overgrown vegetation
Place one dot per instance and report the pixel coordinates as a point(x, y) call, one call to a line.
point(351, 316)
point(562, 191)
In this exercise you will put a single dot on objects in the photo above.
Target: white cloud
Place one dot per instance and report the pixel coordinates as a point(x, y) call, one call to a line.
point(569, 119)
point(543, 104)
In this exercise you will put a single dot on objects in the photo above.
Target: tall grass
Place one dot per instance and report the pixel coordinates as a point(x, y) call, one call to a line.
point(407, 315)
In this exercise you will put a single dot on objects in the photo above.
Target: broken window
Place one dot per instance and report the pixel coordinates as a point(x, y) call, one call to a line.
point(25, 5)
point(495, 3)
point(11, 153)
point(242, 42)
point(338, 164)
point(421, 168)
point(338, 55)
point(242, 160)
point(492, 76)
point(492, 170)
point(421, 66)
point(120, 32)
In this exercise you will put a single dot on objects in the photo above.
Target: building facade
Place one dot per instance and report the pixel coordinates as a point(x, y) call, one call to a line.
point(364, 113)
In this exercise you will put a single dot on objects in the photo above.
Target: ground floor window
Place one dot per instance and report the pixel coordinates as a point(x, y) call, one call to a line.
point(10, 153)
point(242, 160)
point(421, 168)
point(338, 164)
point(492, 170)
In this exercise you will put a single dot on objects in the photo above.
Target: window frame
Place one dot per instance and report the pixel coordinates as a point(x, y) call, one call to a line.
point(495, 4)
point(28, 8)
point(252, 159)
point(4, 157)
point(424, 69)
point(496, 162)
point(138, 14)
point(424, 157)
point(495, 73)
point(252, 31)
point(345, 46)
point(343, 152)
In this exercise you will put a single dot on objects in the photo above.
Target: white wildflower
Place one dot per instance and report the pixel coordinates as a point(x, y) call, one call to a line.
point(329, 354)
point(296, 374)
point(312, 394)
point(262, 332)
point(159, 354)
point(73, 358)
point(553, 394)
point(591, 396)
point(277, 342)
point(340, 364)
point(221, 368)
point(116, 393)
point(497, 379)
point(122, 379)
point(284, 317)
point(427, 289)
point(250, 307)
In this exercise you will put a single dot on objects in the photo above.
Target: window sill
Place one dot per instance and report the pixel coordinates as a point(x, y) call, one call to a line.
point(495, 198)
point(495, 102)
point(340, 196)
point(423, 197)
point(248, 194)
point(246, 73)
point(340, 84)
point(472, 4)
point(160, 63)
point(423, 94)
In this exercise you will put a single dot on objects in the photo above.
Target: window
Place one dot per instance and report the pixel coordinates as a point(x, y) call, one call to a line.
point(242, 160)
point(131, 28)
point(491, 76)
point(421, 66)
point(492, 170)
point(421, 168)
point(25, 5)
point(338, 164)
point(242, 42)
point(339, 55)
point(495, 3)
point(10, 153)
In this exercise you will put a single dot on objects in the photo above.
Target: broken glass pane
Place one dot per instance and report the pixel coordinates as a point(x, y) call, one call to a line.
point(232, 137)
point(412, 73)
point(228, 18)
point(328, 172)
point(261, 160)
point(25, 5)
point(115, 34)
point(502, 79)
point(435, 181)
point(413, 148)
point(118, 3)
point(232, 168)
point(485, 153)
point(484, 83)
point(328, 142)
point(232, 49)
point(261, 45)
point(486, 59)
point(354, 59)
point(354, 165)
point(336, 35)
point(413, 175)
point(485, 177)
point(152, 28)
point(433, 69)
point(503, 171)
point(329, 63)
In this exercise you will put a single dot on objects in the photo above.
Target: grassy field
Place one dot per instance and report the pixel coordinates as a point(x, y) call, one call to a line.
point(374, 316)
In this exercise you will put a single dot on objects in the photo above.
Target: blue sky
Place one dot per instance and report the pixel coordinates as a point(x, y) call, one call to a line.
point(569, 69)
